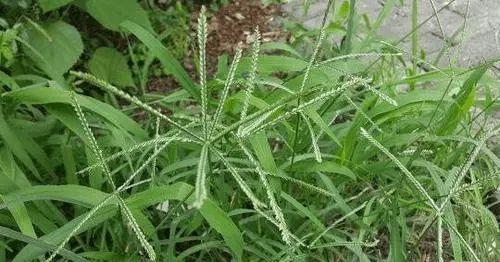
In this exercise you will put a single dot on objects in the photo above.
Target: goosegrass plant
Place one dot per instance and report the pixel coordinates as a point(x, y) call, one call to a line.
point(279, 158)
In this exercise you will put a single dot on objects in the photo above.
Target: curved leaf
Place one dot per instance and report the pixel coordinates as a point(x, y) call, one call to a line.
point(44, 95)
point(164, 55)
point(111, 13)
point(87, 196)
point(9, 233)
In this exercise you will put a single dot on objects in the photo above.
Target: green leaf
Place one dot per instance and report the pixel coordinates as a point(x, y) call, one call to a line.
point(15, 145)
point(201, 176)
point(20, 214)
point(463, 103)
point(58, 54)
point(350, 140)
point(35, 151)
point(263, 151)
point(308, 166)
point(111, 66)
point(265, 156)
point(74, 194)
point(11, 176)
point(49, 5)
point(9, 233)
point(270, 64)
point(66, 115)
point(111, 13)
point(165, 56)
point(318, 120)
point(8, 81)
point(397, 250)
point(280, 46)
point(47, 95)
point(304, 210)
point(383, 14)
point(89, 197)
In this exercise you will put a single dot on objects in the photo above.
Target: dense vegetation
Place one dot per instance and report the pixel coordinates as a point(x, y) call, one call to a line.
point(310, 150)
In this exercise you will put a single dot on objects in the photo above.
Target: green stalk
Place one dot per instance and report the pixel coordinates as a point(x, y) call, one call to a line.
point(347, 44)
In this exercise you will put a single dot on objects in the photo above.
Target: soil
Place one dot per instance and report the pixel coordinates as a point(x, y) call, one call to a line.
point(426, 250)
point(231, 25)
point(235, 23)
point(163, 84)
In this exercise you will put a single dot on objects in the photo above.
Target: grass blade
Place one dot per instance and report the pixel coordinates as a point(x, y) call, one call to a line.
point(164, 55)
point(7, 232)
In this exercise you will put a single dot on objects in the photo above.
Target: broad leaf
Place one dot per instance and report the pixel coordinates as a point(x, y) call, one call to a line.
point(49, 5)
point(56, 51)
point(111, 66)
point(111, 13)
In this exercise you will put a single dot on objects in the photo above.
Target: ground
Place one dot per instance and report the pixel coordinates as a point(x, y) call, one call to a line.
point(482, 39)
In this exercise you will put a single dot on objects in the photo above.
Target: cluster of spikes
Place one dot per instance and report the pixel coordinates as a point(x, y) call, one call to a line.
point(250, 123)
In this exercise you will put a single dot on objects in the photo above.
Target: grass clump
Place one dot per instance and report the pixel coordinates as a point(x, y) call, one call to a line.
point(345, 157)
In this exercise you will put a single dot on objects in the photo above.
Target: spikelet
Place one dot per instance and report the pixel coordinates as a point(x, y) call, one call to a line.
point(153, 166)
point(303, 184)
point(323, 96)
point(138, 232)
point(381, 95)
point(418, 60)
point(461, 238)
point(123, 187)
point(90, 137)
point(282, 226)
point(243, 185)
point(78, 226)
point(352, 212)
point(411, 151)
point(346, 244)
point(462, 172)
point(202, 41)
point(253, 73)
point(106, 86)
point(348, 56)
point(358, 109)
point(136, 147)
point(244, 131)
point(317, 152)
point(94, 146)
point(313, 58)
point(439, 243)
point(276, 85)
point(225, 92)
point(407, 173)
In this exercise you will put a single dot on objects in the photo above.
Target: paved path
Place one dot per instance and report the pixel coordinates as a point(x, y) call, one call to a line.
point(482, 39)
